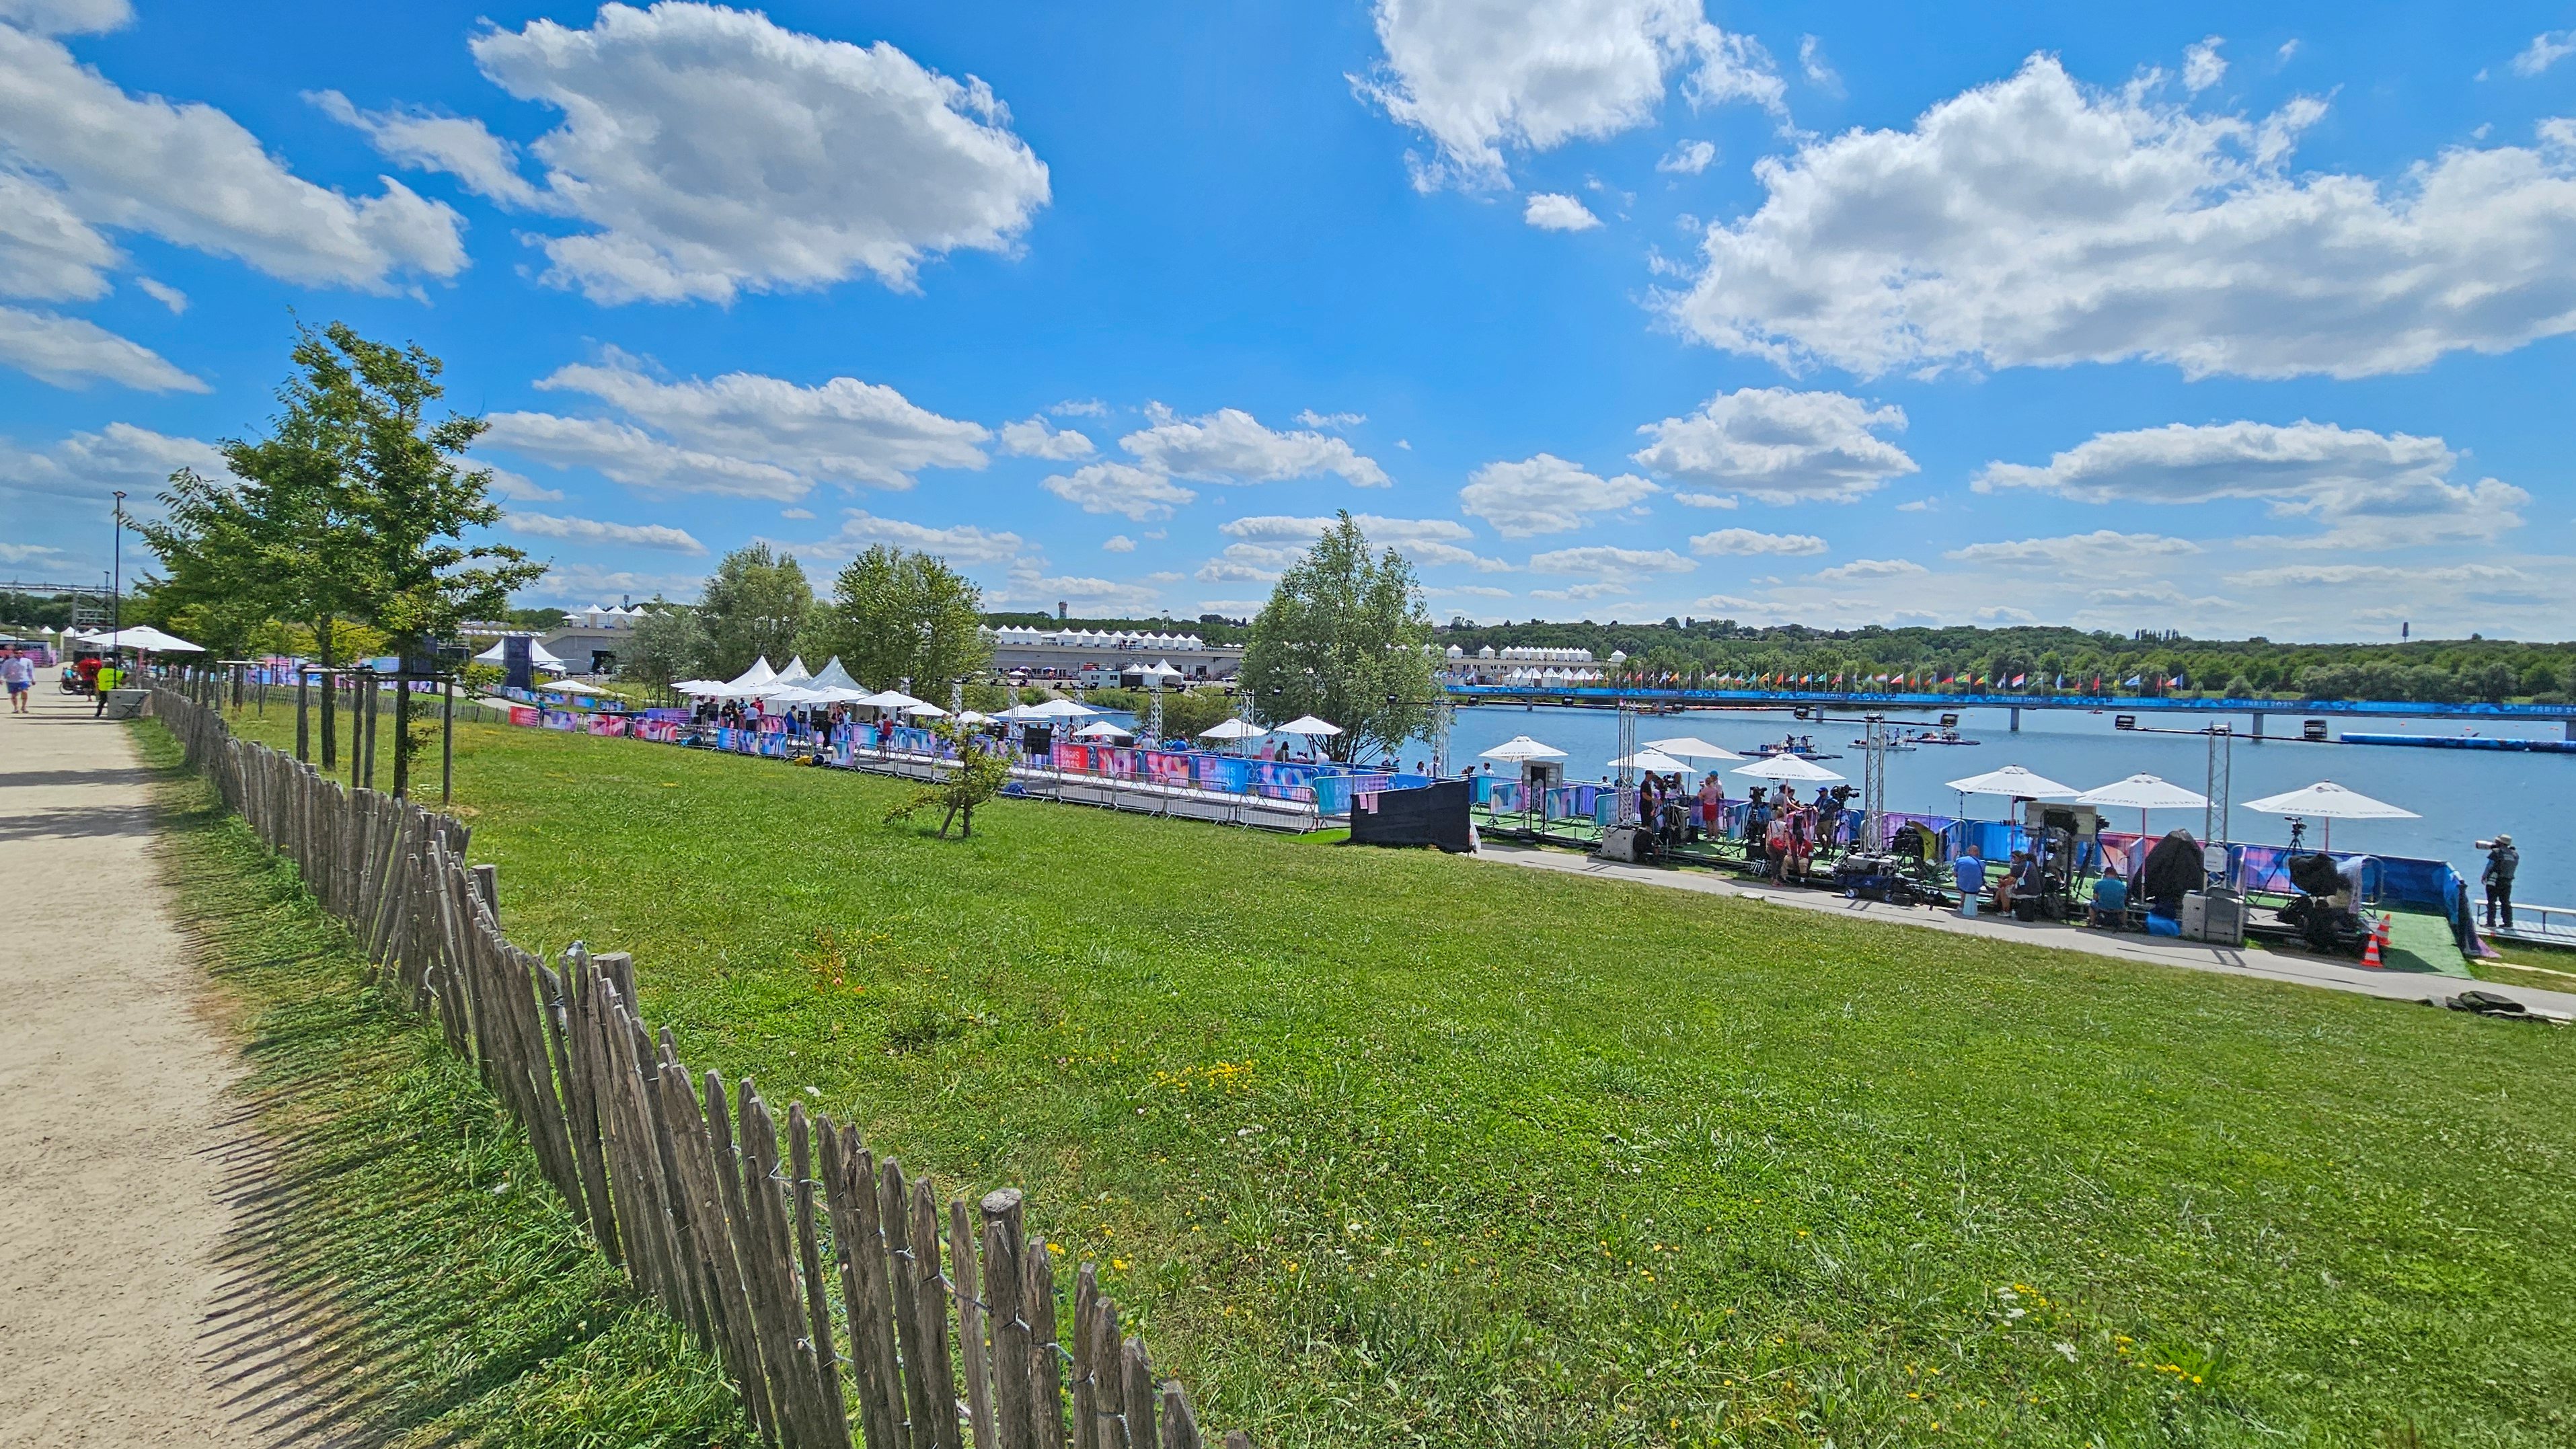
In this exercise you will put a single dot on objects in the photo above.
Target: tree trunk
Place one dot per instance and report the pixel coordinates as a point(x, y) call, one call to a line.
point(966, 826)
point(946, 820)
point(322, 637)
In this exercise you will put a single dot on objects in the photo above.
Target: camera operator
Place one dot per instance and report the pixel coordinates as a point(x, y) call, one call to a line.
point(2502, 861)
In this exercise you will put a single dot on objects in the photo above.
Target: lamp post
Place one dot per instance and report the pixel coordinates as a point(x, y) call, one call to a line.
point(116, 584)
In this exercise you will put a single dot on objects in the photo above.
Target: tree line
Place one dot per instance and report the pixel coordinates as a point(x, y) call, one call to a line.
point(894, 618)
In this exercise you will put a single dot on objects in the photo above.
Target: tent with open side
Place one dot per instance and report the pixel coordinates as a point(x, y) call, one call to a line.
point(795, 672)
point(146, 638)
point(835, 676)
point(538, 658)
point(757, 675)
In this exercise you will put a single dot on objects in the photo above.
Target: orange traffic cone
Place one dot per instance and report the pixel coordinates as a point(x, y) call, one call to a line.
point(2372, 945)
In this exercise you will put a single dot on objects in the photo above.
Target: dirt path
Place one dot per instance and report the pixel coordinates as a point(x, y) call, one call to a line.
point(113, 1141)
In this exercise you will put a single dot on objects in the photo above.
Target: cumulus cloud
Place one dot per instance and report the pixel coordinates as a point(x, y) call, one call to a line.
point(1688, 158)
point(1143, 494)
point(1031, 585)
point(1605, 562)
point(591, 530)
point(165, 294)
point(959, 544)
point(2546, 49)
point(742, 433)
point(1779, 446)
point(712, 152)
point(1751, 543)
point(1869, 568)
point(1118, 543)
point(2036, 222)
point(579, 585)
point(1037, 438)
point(1429, 542)
point(1545, 494)
point(1229, 446)
point(2370, 490)
point(71, 351)
point(517, 488)
point(2081, 555)
point(1819, 71)
point(1549, 211)
point(2202, 65)
point(90, 466)
point(1309, 418)
point(66, 17)
point(185, 173)
point(1477, 76)
point(1248, 563)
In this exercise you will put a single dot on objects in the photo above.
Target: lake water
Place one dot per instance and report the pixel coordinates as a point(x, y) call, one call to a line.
point(2463, 795)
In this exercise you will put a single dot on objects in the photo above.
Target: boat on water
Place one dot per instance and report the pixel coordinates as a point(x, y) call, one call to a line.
point(1943, 737)
point(1894, 746)
point(1803, 747)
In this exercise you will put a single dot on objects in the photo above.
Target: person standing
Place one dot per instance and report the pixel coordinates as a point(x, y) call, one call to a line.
point(1970, 872)
point(20, 673)
point(2502, 861)
point(110, 675)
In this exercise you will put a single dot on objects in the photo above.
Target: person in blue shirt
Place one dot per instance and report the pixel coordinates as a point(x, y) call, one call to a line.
point(2110, 902)
point(1970, 872)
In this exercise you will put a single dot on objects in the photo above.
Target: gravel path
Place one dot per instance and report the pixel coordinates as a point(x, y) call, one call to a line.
point(115, 1141)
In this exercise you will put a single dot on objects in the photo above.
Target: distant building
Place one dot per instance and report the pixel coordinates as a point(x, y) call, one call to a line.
point(1066, 653)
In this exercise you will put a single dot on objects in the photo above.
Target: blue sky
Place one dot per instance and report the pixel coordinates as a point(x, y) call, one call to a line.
point(2178, 317)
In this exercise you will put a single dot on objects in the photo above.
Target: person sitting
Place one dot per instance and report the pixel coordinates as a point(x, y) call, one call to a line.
point(2110, 903)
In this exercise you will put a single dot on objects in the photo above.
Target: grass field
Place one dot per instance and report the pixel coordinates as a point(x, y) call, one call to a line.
point(1398, 1149)
point(446, 1296)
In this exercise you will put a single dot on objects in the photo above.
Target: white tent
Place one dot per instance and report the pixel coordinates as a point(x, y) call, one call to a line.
point(1307, 724)
point(537, 656)
point(144, 636)
point(834, 676)
point(2143, 793)
point(757, 675)
point(1787, 768)
point(1690, 747)
point(2329, 802)
point(795, 672)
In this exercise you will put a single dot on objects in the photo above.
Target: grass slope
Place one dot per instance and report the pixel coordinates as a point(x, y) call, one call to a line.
point(450, 1297)
point(1395, 1149)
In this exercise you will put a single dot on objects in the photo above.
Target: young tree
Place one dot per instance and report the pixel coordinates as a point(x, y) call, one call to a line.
point(897, 615)
point(669, 644)
point(1345, 637)
point(979, 775)
point(407, 504)
point(754, 606)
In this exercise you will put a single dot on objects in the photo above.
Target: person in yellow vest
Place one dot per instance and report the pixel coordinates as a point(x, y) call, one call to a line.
point(110, 675)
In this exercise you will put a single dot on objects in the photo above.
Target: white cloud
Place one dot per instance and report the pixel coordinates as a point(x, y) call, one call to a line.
point(1248, 563)
point(90, 466)
point(2037, 222)
point(960, 544)
point(27, 553)
point(2546, 49)
point(68, 351)
point(1688, 158)
point(1036, 438)
point(66, 17)
point(1707, 500)
point(165, 294)
point(1143, 494)
point(1549, 211)
point(582, 584)
point(1309, 418)
point(2371, 490)
point(517, 488)
point(1545, 494)
point(1748, 543)
point(1819, 71)
point(1583, 593)
point(591, 530)
point(1476, 76)
point(1030, 585)
point(743, 433)
point(2202, 65)
point(799, 513)
point(2080, 555)
point(46, 250)
point(1780, 446)
point(190, 175)
point(1080, 408)
point(716, 152)
point(1229, 446)
point(1430, 542)
point(1605, 562)
point(1869, 568)
point(1118, 543)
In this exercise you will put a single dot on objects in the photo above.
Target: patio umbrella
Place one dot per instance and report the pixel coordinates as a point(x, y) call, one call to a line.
point(1101, 729)
point(2014, 781)
point(1059, 709)
point(2329, 802)
point(1652, 761)
point(975, 717)
point(144, 636)
point(925, 711)
point(1234, 729)
point(890, 699)
point(1521, 749)
point(1690, 747)
point(2143, 793)
point(1307, 724)
point(1786, 768)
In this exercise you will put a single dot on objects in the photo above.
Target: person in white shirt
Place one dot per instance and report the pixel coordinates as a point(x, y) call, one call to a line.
point(19, 671)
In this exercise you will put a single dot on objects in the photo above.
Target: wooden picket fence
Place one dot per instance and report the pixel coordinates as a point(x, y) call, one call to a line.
point(689, 1193)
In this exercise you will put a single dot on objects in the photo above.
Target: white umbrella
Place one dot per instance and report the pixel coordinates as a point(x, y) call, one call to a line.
point(144, 636)
point(925, 711)
point(1101, 730)
point(2016, 782)
point(1059, 709)
point(1520, 749)
point(1234, 729)
point(1691, 747)
point(888, 699)
point(2143, 793)
point(2329, 802)
point(975, 717)
point(1307, 724)
point(1786, 768)
point(1652, 761)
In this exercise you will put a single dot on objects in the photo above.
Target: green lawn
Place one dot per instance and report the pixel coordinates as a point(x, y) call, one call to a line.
point(1395, 1149)
point(436, 1292)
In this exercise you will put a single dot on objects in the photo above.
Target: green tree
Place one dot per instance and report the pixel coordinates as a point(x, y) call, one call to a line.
point(897, 615)
point(979, 774)
point(408, 503)
point(670, 644)
point(1345, 637)
point(754, 607)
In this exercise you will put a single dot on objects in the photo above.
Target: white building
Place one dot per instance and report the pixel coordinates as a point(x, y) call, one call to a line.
point(1067, 653)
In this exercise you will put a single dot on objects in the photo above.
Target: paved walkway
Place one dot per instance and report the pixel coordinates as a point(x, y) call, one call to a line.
point(2162, 951)
point(113, 1133)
